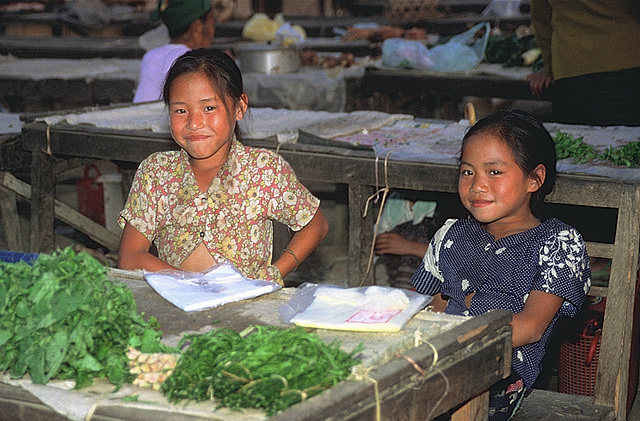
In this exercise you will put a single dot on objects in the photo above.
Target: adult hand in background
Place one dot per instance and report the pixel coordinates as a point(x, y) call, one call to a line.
point(538, 82)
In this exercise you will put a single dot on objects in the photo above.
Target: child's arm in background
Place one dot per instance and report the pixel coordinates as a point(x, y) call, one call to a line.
point(529, 325)
point(393, 243)
point(134, 252)
point(303, 243)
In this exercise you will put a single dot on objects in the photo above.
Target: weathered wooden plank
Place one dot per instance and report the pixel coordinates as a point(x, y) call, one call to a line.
point(360, 233)
point(615, 350)
point(545, 405)
point(600, 249)
point(108, 145)
point(18, 404)
point(418, 82)
point(67, 214)
point(10, 220)
point(475, 410)
point(41, 237)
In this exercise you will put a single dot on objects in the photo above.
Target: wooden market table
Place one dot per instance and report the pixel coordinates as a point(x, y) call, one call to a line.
point(129, 47)
point(47, 84)
point(358, 168)
point(476, 83)
point(447, 90)
point(451, 348)
point(43, 84)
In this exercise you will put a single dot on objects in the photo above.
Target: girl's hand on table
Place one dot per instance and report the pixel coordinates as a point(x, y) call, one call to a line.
point(392, 243)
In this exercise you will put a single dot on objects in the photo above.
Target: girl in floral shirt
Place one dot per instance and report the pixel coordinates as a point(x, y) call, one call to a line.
point(504, 257)
point(214, 199)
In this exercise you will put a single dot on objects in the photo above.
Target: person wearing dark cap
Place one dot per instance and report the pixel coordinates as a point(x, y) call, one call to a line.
point(191, 26)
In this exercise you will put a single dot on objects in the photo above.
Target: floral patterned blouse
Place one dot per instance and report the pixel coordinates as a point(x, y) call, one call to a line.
point(463, 258)
point(232, 218)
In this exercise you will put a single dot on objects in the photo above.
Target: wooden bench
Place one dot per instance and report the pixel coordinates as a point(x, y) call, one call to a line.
point(545, 405)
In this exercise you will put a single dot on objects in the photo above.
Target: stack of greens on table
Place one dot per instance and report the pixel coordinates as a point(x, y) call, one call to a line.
point(568, 146)
point(262, 367)
point(63, 318)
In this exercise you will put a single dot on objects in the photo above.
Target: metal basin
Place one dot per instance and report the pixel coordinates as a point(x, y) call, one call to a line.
point(264, 58)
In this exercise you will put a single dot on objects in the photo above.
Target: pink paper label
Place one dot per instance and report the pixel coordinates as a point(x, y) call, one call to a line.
point(368, 316)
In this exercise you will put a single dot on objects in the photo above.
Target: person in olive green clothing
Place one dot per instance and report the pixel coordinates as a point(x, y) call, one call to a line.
point(591, 53)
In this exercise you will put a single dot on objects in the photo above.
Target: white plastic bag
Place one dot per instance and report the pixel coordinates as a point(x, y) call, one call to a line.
point(288, 35)
point(462, 52)
point(405, 53)
point(369, 309)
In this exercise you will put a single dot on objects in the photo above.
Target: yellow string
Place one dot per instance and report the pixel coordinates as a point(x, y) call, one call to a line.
point(385, 192)
point(48, 133)
point(361, 372)
point(423, 372)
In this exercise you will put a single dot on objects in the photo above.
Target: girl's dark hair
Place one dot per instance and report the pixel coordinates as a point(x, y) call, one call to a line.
point(217, 66)
point(529, 141)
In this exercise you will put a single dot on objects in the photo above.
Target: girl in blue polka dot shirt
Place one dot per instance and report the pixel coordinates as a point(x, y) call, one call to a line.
point(504, 257)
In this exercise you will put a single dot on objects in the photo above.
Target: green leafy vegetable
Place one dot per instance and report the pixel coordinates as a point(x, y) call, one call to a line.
point(627, 155)
point(62, 317)
point(269, 368)
point(568, 146)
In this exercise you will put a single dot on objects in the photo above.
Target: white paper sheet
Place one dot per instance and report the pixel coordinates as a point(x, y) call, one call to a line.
point(198, 291)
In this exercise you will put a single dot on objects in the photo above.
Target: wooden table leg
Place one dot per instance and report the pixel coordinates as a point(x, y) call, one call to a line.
point(477, 409)
point(43, 184)
point(360, 232)
point(10, 220)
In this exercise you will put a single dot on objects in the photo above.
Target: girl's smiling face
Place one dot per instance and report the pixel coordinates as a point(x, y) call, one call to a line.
point(494, 189)
point(202, 122)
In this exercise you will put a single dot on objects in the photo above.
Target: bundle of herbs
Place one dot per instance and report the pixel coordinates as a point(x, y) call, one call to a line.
point(262, 367)
point(63, 318)
point(568, 146)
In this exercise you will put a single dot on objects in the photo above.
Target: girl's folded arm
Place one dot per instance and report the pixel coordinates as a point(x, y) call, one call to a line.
point(530, 324)
point(134, 252)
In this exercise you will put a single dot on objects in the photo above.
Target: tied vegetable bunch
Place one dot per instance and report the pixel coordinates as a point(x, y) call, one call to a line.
point(262, 367)
point(63, 318)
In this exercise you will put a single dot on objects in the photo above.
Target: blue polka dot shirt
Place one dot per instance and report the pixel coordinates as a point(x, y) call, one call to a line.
point(464, 258)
